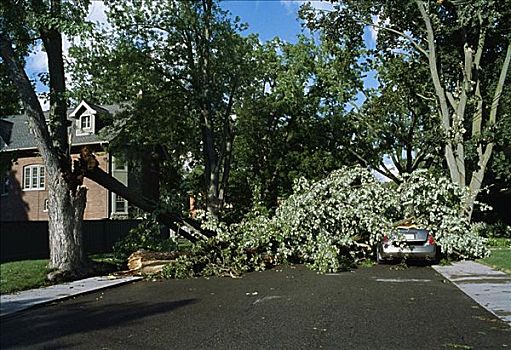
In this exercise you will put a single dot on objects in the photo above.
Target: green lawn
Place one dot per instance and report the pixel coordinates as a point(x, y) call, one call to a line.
point(16, 276)
point(20, 275)
point(500, 259)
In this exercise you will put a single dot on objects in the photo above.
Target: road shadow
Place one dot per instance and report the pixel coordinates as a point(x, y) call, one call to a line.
point(35, 329)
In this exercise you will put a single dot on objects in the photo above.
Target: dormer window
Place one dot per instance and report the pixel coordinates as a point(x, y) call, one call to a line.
point(85, 122)
point(85, 119)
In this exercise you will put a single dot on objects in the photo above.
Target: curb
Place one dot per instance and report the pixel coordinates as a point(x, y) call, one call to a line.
point(13, 303)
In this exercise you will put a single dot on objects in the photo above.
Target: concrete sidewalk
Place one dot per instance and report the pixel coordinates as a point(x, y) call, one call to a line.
point(488, 287)
point(11, 303)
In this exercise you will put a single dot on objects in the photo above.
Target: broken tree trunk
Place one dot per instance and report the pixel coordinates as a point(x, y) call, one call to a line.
point(147, 262)
point(89, 167)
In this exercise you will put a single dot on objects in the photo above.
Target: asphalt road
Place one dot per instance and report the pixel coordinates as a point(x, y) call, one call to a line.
point(292, 308)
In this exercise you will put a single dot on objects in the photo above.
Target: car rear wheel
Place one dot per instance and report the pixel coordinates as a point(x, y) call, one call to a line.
point(379, 258)
point(438, 256)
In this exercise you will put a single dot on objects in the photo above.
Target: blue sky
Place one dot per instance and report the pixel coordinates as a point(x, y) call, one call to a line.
point(268, 18)
point(272, 18)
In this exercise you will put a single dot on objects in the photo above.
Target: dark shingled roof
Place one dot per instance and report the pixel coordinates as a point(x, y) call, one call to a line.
point(15, 133)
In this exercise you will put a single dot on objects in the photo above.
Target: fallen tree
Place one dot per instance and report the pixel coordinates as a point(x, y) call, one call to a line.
point(334, 223)
point(88, 166)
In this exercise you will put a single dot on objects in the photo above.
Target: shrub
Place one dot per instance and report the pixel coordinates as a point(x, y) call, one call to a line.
point(495, 230)
point(147, 236)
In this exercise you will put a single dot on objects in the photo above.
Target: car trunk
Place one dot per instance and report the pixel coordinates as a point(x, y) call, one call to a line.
point(413, 236)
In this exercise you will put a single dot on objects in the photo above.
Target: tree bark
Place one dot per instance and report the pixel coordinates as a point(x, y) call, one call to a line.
point(66, 243)
point(208, 128)
point(484, 156)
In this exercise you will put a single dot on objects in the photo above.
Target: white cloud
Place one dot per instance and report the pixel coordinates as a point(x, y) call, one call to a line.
point(374, 30)
point(44, 101)
point(322, 5)
point(376, 27)
point(97, 12)
point(292, 6)
point(37, 62)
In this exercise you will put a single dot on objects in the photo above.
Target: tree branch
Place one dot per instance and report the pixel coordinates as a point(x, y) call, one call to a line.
point(396, 160)
point(386, 171)
point(457, 174)
point(477, 118)
point(30, 102)
point(500, 85)
point(402, 34)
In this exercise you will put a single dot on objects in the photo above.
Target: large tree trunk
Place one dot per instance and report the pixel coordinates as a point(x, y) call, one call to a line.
point(66, 198)
point(66, 209)
point(211, 166)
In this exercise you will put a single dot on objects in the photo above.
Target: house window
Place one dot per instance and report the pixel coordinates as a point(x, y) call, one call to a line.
point(85, 122)
point(33, 177)
point(120, 205)
point(4, 184)
point(120, 173)
point(118, 164)
point(45, 205)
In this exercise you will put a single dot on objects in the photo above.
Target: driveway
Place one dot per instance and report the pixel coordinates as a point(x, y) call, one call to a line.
point(383, 307)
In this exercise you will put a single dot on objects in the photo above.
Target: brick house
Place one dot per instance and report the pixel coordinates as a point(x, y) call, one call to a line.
point(23, 186)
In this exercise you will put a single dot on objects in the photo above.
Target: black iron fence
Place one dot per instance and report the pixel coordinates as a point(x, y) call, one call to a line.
point(21, 240)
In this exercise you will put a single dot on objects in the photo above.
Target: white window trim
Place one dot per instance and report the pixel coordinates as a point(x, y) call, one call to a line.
point(88, 130)
point(114, 205)
point(116, 162)
point(88, 119)
point(37, 169)
point(114, 171)
point(46, 204)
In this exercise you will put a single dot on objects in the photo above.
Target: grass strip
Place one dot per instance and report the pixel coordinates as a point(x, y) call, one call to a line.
point(20, 275)
point(499, 259)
